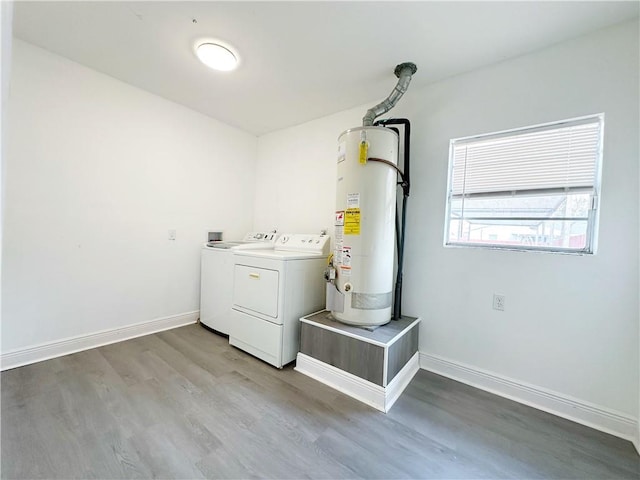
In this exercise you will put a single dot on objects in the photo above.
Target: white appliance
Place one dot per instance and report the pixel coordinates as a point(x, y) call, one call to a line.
point(361, 273)
point(272, 290)
point(365, 226)
point(216, 277)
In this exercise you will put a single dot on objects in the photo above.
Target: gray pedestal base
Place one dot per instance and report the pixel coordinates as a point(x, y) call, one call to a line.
point(372, 366)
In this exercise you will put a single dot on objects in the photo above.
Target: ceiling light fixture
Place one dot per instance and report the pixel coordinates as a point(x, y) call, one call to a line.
point(216, 56)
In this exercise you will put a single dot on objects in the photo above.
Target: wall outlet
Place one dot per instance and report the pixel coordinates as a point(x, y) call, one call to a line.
point(498, 302)
point(172, 234)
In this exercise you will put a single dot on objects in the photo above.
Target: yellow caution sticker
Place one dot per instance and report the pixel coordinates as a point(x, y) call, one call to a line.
point(364, 149)
point(352, 221)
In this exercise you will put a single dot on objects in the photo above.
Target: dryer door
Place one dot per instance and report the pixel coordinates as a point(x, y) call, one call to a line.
point(256, 289)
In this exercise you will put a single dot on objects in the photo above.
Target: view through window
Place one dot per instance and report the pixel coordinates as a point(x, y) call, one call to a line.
point(533, 188)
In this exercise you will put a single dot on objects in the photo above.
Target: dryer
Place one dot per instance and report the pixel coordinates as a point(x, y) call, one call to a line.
point(216, 277)
point(272, 290)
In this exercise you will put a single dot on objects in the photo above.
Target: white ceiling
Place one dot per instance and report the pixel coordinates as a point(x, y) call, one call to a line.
point(300, 60)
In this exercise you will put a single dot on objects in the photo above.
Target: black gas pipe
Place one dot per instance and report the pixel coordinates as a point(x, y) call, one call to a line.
point(405, 183)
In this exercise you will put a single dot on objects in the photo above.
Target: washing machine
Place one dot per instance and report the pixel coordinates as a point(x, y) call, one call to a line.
point(216, 277)
point(272, 290)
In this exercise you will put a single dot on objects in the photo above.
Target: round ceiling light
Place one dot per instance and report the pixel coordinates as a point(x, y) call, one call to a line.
point(216, 56)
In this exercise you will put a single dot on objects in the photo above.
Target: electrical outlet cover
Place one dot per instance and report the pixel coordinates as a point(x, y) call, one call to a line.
point(498, 302)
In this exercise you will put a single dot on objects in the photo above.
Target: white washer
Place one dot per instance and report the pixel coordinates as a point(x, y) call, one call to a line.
point(272, 290)
point(216, 277)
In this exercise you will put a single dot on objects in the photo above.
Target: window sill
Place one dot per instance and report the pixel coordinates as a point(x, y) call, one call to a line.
point(475, 246)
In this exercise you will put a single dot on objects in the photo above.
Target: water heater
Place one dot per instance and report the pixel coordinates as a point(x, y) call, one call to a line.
point(360, 275)
point(365, 225)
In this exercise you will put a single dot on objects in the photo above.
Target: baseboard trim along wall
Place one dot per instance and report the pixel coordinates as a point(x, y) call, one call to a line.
point(600, 418)
point(367, 392)
point(45, 351)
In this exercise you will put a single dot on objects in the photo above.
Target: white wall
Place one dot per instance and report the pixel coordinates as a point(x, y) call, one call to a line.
point(6, 23)
point(295, 174)
point(571, 322)
point(97, 172)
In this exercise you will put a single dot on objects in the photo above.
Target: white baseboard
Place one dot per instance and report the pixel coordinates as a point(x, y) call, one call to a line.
point(373, 395)
point(345, 382)
point(401, 380)
point(45, 351)
point(594, 416)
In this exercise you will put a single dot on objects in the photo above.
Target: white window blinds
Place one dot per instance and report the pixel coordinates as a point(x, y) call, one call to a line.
point(557, 157)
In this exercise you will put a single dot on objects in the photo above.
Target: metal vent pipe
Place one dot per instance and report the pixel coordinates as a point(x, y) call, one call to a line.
point(404, 71)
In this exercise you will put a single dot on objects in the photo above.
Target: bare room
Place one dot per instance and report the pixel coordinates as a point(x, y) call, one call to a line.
point(355, 239)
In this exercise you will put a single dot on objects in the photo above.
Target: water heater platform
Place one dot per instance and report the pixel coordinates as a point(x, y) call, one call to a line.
point(371, 366)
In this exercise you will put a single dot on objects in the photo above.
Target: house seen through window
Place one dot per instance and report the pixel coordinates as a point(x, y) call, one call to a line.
point(534, 188)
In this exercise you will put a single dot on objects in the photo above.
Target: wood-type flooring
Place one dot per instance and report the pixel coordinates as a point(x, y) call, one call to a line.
point(184, 404)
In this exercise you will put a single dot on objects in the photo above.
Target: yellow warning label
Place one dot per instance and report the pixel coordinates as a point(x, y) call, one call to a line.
point(352, 221)
point(364, 148)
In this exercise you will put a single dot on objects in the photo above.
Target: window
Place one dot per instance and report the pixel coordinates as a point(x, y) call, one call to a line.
point(533, 188)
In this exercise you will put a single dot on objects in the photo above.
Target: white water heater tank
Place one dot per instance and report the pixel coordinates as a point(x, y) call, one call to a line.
point(365, 225)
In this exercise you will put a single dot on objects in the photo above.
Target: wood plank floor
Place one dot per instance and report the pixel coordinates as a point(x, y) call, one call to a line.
point(184, 404)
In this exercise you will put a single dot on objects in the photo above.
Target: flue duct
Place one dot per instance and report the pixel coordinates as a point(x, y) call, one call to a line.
point(404, 72)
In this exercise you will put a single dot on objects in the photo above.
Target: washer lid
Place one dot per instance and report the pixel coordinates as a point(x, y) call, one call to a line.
point(223, 245)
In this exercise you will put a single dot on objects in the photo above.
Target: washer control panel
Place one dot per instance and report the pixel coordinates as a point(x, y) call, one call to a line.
point(301, 242)
point(260, 237)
